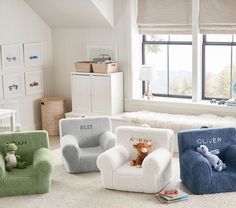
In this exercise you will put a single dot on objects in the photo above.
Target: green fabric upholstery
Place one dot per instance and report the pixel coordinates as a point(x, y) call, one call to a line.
point(33, 147)
point(2, 173)
point(42, 164)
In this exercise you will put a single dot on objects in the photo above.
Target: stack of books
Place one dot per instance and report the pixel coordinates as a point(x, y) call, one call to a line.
point(171, 196)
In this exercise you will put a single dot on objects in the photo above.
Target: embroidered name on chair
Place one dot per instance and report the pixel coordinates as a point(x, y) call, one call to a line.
point(19, 143)
point(134, 139)
point(86, 127)
point(213, 140)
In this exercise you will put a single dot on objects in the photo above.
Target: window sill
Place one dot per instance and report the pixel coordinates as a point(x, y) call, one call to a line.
point(179, 105)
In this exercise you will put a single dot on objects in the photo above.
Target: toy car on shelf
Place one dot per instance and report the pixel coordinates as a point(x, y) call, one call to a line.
point(11, 58)
point(34, 84)
point(13, 86)
point(33, 57)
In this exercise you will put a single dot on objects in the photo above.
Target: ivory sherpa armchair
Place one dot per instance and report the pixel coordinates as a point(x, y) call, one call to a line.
point(195, 170)
point(33, 148)
point(155, 173)
point(82, 140)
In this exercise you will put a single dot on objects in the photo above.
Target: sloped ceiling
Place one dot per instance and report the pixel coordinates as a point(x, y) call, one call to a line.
point(74, 13)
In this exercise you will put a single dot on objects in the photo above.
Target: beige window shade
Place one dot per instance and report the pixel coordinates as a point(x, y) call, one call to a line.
point(164, 16)
point(217, 16)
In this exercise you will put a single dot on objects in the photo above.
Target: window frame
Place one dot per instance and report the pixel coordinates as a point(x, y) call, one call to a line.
point(214, 43)
point(167, 43)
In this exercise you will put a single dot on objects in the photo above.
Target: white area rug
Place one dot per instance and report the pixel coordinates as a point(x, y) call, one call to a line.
point(178, 122)
point(85, 191)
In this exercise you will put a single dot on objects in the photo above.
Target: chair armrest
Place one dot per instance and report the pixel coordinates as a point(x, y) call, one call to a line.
point(196, 171)
point(69, 140)
point(193, 161)
point(230, 153)
point(70, 151)
point(157, 160)
point(42, 161)
point(157, 170)
point(69, 144)
point(113, 158)
point(2, 166)
point(107, 140)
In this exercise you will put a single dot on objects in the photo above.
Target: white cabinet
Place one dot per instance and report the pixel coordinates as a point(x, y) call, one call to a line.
point(97, 93)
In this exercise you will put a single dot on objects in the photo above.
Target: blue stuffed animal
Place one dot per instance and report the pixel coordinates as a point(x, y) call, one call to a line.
point(212, 157)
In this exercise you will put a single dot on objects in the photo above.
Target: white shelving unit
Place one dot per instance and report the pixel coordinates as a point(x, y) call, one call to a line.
point(94, 94)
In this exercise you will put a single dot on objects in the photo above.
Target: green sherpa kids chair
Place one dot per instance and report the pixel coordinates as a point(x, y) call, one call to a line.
point(33, 148)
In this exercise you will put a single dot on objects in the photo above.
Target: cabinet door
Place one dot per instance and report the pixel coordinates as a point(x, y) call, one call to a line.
point(81, 93)
point(101, 94)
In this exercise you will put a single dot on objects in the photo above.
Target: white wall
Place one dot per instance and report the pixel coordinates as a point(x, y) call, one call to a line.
point(70, 45)
point(106, 8)
point(20, 24)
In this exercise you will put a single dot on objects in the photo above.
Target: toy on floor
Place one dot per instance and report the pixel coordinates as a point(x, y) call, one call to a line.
point(212, 157)
point(142, 148)
point(11, 159)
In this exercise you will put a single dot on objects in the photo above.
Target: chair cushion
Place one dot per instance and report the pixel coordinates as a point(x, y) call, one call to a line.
point(88, 158)
point(27, 172)
point(20, 181)
point(128, 178)
point(224, 181)
point(91, 151)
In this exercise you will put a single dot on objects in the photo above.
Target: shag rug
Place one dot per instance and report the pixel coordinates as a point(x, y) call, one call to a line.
point(85, 191)
point(178, 122)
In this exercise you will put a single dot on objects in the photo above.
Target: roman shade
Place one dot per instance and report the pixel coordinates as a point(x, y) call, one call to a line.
point(217, 16)
point(164, 16)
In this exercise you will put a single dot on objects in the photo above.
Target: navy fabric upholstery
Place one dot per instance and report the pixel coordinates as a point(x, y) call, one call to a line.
point(195, 170)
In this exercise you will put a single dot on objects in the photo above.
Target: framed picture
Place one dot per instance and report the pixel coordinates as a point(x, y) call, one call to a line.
point(11, 56)
point(33, 54)
point(34, 82)
point(1, 88)
point(13, 85)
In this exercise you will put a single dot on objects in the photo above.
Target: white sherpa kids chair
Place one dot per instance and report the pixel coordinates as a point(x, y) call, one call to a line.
point(155, 173)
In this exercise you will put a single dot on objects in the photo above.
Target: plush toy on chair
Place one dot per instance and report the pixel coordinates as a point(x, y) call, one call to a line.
point(212, 157)
point(33, 148)
point(142, 151)
point(196, 172)
point(12, 159)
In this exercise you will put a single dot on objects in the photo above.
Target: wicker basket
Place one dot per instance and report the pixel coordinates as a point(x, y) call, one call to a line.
point(105, 68)
point(84, 66)
point(52, 110)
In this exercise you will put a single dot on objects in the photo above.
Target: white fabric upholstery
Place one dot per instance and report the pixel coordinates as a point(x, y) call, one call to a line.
point(114, 164)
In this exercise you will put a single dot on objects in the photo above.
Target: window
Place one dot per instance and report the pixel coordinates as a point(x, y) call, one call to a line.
point(171, 55)
point(218, 65)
